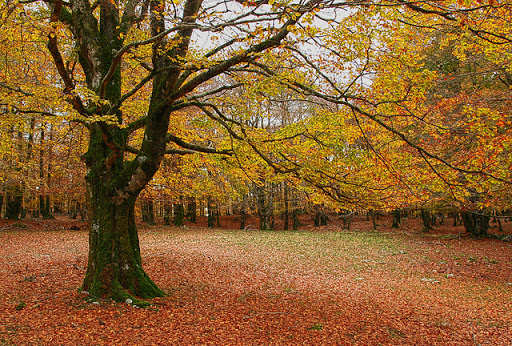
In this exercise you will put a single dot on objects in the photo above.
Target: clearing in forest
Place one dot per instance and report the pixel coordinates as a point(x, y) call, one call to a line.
point(321, 286)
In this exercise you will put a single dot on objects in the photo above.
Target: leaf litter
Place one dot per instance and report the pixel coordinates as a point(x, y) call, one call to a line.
point(314, 287)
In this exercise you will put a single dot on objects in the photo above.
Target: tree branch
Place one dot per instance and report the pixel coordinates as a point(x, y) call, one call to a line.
point(59, 62)
point(196, 148)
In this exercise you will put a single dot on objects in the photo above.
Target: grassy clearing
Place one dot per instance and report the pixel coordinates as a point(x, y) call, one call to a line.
point(387, 258)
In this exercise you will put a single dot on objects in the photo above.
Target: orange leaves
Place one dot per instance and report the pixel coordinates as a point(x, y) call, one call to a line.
point(234, 287)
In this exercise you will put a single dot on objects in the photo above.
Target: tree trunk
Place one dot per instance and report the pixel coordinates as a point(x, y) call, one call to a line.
point(374, 223)
point(114, 269)
point(13, 204)
point(191, 210)
point(476, 224)
point(44, 207)
point(286, 207)
point(147, 211)
point(265, 208)
point(295, 213)
point(426, 217)
point(211, 214)
point(396, 218)
point(179, 214)
point(167, 213)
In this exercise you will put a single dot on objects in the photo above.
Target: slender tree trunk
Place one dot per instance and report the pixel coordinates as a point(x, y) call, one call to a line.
point(191, 209)
point(372, 214)
point(243, 213)
point(286, 207)
point(211, 213)
point(295, 213)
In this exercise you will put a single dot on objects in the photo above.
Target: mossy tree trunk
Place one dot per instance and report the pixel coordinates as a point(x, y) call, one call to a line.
point(426, 218)
point(265, 204)
point(114, 268)
point(396, 218)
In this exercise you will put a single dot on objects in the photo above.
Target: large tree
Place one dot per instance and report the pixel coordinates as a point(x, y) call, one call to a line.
point(106, 32)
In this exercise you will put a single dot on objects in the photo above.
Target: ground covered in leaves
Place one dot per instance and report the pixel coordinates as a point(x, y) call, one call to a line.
point(315, 286)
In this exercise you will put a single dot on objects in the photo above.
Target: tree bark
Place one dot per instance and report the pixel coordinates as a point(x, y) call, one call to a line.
point(476, 224)
point(396, 218)
point(191, 210)
point(265, 205)
point(13, 203)
point(179, 214)
point(167, 213)
point(286, 207)
point(374, 223)
point(426, 217)
point(211, 214)
point(147, 211)
point(114, 268)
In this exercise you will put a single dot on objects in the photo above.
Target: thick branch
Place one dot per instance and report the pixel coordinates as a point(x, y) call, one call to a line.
point(59, 62)
point(195, 147)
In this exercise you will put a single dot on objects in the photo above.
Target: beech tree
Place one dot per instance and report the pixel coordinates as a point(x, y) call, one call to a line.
point(104, 34)
point(127, 67)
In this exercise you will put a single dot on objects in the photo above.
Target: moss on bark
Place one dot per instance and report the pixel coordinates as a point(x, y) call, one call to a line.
point(114, 269)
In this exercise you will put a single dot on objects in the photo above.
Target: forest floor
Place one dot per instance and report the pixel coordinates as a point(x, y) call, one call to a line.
point(315, 286)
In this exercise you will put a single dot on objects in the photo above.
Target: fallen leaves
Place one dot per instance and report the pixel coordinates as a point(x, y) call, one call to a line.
point(235, 287)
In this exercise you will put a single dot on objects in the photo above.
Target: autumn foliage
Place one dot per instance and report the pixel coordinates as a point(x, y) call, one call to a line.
point(275, 109)
point(313, 286)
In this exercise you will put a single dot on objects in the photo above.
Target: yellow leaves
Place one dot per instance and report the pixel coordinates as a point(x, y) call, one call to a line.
point(291, 28)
